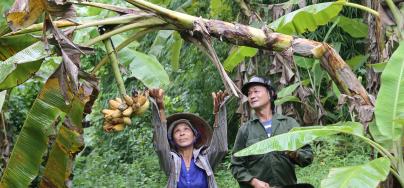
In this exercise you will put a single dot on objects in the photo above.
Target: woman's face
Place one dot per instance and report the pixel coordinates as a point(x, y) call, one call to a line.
point(183, 135)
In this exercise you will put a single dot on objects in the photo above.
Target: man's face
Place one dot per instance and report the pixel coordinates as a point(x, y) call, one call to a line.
point(183, 135)
point(258, 97)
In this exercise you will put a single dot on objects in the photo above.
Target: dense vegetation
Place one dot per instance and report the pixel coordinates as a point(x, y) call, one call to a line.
point(127, 158)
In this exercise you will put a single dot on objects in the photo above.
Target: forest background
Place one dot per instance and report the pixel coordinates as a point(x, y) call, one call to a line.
point(307, 93)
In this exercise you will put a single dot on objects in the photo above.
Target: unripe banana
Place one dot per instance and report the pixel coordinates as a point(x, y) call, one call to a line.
point(127, 120)
point(118, 127)
point(113, 104)
point(128, 100)
point(141, 110)
point(128, 111)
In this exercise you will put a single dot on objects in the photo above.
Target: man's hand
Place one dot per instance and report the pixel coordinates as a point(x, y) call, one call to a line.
point(158, 95)
point(256, 183)
point(292, 155)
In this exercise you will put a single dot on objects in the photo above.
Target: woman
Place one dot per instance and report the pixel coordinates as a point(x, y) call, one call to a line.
point(187, 150)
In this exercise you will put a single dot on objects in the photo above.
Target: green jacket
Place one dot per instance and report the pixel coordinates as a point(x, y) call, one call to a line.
point(275, 168)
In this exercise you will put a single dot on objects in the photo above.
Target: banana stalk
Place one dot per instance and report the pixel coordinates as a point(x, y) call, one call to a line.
point(115, 66)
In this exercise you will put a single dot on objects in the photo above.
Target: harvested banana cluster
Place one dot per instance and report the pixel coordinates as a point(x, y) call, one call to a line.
point(119, 114)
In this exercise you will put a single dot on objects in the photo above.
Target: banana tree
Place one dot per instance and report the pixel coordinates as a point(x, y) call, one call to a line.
point(387, 130)
point(63, 100)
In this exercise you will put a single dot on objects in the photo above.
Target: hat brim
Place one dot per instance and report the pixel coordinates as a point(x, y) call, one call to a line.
point(246, 86)
point(198, 123)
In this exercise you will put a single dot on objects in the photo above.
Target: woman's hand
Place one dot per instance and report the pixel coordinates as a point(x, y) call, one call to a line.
point(218, 99)
point(158, 95)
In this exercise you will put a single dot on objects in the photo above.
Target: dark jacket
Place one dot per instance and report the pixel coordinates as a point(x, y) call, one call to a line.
point(275, 168)
point(206, 157)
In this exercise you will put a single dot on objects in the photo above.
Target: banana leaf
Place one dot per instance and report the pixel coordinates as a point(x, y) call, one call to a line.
point(390, 100)
point(21, 66)
point(145, 68)
point(176, 51)
point(237, 56)
point(13, 44)
point(69, 142)
point(288, 90)
point(299, 137)
point(308, 18)
point(286, 99)
point(32, 143)
point(354, 27)
point(367, 175)
point(2, 98)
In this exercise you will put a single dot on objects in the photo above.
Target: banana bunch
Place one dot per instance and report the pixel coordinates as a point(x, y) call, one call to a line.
point(120, 111)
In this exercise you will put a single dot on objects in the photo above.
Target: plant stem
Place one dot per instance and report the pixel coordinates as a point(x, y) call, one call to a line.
point(361, 7)
point(397, 16)
point(180, 19)
point(144, 23)
point(378, 147)
point(115, 66)
point(399, 178)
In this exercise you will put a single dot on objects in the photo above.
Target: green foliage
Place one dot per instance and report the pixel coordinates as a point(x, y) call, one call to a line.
point(307, 18)
point(354, 27)
point(237, 56)
point(144, 67)
point(20, 67)
point(27, 154)
point(357, 61)
point(19, 103)
point(333, 152)
point(298, 137)
point(366, 175)
point(390, 102)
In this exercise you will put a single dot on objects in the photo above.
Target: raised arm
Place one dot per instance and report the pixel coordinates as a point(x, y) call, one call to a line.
point(218, 146)
point(159, 123)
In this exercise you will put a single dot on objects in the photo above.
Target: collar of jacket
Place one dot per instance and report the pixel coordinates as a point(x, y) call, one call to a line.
point(276, 119)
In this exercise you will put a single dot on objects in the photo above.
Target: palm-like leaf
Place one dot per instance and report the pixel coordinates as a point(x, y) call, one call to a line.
point(307, 18)
point(144, 67)
point(21, 66)
point(365, 176)
point(47, 110)
point(299, 137)
point(390, 100)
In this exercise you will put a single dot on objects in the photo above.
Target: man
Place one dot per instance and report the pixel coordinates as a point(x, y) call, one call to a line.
point(274, 168)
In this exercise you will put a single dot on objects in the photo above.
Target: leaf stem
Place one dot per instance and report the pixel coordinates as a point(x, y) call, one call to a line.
point(397, 16)
point(361, 7)
point(144, 23)
point(115, 66)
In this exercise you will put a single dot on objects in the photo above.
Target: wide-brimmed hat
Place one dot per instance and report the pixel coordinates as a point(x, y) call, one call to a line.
point(204, 131)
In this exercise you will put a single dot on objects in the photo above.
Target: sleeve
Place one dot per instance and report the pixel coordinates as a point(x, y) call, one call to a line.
point(218, 146)
point(238, 164)
point(160, 140)
point(304, 155)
